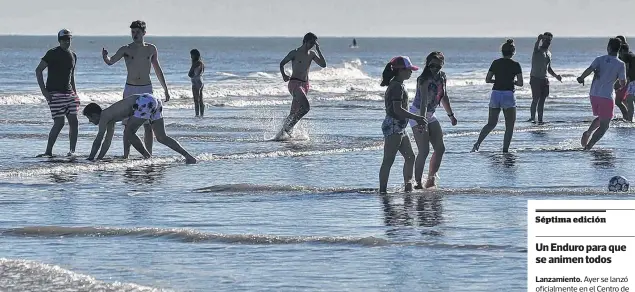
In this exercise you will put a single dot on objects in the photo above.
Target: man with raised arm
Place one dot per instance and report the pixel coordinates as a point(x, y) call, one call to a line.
point(139, 57)
point(301, 59)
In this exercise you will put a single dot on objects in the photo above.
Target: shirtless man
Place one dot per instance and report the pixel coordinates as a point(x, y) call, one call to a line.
point(138, 109)
point(301, 59)
point(139, 55)
point(540, 66)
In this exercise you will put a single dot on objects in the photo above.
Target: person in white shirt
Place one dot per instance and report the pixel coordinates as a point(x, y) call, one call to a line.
point(608, 69)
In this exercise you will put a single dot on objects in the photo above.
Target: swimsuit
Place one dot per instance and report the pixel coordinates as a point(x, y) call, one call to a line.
point(392, 123)
point(436, 89)
point(63, 104)
point(295, 83)
point(131, 89)
point(197, 81)
point(148, 107)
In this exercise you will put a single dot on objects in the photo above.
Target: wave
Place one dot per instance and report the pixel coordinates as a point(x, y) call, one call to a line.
point(244, 188)
point(223, 87)
point(87, 166)
point(25, 275)
point(361, 145)
point(252, 188)
point(195, 236)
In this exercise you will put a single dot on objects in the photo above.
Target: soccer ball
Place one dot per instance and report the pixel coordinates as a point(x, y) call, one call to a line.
point(618, 184)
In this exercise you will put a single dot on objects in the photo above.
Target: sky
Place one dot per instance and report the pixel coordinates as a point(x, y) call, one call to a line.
point(340, 18)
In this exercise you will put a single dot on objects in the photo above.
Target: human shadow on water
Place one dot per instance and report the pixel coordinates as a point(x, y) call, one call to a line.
point(144, 175)
point(539, 133)
point(507, 160)
point(603, 158)
point(63, 177)
point(423, 210)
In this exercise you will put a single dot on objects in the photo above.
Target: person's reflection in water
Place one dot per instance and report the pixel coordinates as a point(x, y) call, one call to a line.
point(144, 175)
point(397, 214)
point(507, 160)
point(428, 210)
point(63, 177)
point(539, 133)
point(603, 158)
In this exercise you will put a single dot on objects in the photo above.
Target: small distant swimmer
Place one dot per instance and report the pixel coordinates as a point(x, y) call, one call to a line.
point(608, 69)
point(60, 91)
point(395, 123)
point(354, 45)
point(505, 73)
point(301, 59)
point(138, 109)
point(540, 66)
point(196, 71)
point(140, 57)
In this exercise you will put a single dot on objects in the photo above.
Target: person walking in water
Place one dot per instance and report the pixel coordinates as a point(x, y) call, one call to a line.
point(505, 73)
point(395, 123)
point(540, 66)
point(59, 90)
point(301, 59)
point(140, 57)
point(608, 69)
point(196, 71)
point(431, 92)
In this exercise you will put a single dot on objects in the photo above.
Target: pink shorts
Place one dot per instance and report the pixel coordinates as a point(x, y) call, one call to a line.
point(602, 107)
point(620, 95)
point(294, 84)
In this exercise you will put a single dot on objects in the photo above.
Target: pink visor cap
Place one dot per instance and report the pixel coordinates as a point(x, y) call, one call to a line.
point(402, 62)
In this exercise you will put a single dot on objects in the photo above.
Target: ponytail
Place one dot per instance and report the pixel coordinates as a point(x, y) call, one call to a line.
point(387, 75)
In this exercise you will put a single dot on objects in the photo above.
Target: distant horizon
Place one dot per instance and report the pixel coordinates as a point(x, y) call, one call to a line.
point(320, 36)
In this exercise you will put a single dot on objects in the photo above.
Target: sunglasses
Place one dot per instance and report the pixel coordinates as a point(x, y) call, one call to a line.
point(437, 66)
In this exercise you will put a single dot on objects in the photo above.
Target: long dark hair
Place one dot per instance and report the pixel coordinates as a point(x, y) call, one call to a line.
point(508, 48)
point(388, 74)
point(196, 54)
point(427, 73)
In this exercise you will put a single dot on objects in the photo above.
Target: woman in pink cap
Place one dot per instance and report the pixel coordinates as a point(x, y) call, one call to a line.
point(431, 91)
point(396, 121)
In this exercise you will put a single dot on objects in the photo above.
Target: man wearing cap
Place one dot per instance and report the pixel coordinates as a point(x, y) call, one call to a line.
point(59, 91)
point(139, 57)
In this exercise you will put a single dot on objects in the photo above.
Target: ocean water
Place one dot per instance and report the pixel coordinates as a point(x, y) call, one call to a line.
point(300, 215)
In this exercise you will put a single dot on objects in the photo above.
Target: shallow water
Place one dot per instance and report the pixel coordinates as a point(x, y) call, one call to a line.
point(297, 215)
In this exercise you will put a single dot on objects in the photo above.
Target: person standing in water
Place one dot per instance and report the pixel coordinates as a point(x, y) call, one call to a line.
point(196, 71)
point(60, 91)
point(431, 91)
point(395, 123)
point(540, 66)
point(139, 56)
point(629, 90)
point(505, 73)
point(621, 93)
point(608, 69)
point(301, 59)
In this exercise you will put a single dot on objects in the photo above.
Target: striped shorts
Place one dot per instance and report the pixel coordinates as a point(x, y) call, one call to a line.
point(63, 104)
